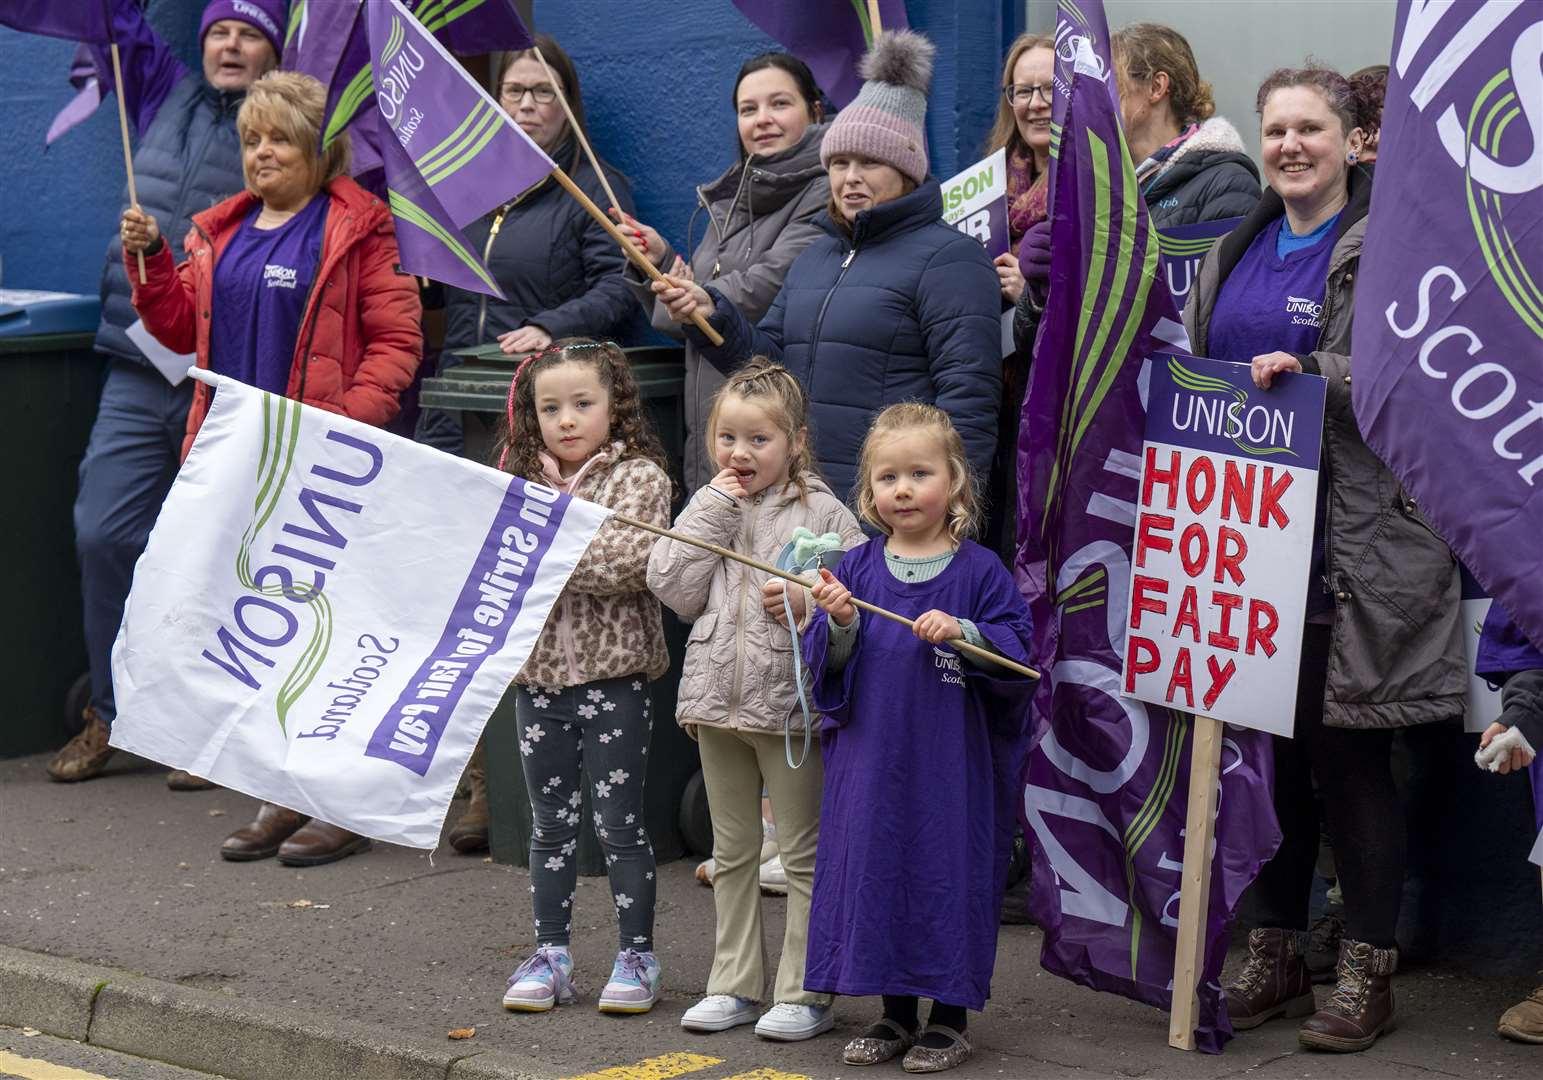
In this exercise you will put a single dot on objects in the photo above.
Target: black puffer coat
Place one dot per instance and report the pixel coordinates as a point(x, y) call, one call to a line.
point(1209, 177)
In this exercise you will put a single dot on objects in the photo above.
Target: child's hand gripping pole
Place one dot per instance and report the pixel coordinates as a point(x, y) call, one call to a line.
point(958, 643)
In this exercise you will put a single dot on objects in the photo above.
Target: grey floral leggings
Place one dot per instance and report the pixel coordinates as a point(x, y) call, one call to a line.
point(600, 728)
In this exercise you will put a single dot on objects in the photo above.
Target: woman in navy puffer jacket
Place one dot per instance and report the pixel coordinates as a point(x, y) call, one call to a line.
point(889, 304)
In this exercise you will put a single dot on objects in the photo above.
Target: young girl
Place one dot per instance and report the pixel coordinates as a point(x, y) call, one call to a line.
point(923, 749)
point(737, 693)
point(575, 423)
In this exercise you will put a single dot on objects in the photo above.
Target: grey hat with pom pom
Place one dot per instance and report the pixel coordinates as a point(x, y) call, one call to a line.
point(886, 120)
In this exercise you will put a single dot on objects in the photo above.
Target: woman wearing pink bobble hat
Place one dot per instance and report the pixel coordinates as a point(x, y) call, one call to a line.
point(888, 303)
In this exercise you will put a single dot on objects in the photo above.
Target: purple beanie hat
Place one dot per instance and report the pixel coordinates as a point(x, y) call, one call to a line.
point(268, 16)
point(886, 121)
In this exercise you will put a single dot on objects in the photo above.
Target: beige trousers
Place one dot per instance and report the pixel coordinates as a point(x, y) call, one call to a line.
point(735, 764)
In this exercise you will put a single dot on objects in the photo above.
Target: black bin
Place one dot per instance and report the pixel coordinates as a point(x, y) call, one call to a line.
point(52, 381)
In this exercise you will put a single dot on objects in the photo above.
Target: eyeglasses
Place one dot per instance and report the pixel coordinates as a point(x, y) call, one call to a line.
point(514, 93)
point(1014, 94)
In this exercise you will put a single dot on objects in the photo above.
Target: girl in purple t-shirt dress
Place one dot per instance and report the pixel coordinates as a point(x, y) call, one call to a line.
point(923, 749)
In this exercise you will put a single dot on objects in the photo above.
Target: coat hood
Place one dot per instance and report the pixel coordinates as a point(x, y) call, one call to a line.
point(344, 194)
point(1216, 141)
point(785, 173)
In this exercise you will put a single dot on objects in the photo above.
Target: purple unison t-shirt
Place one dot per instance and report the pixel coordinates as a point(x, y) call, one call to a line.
point(261, 285)
point(1272, 303)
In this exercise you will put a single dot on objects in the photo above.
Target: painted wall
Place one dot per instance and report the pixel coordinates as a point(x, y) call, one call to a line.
point(58, 207)
point(657, 76)
point(1238, 42)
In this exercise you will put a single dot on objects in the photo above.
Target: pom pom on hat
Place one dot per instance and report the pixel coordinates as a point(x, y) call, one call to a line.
point(887, 120)
point(902, 58)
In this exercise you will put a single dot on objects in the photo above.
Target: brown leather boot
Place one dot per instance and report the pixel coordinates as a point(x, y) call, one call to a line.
point(1523, 1022)
point(1273, 983)
point(471, 832)
point(261, 839)
point(1361, 1006)
point(86, 755)
point(182, 780)
point(317, 843)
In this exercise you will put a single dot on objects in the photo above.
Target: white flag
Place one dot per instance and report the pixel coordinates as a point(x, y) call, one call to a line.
point(327, 614)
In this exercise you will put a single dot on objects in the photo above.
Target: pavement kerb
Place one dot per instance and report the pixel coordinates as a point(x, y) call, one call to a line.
point(220, 1033)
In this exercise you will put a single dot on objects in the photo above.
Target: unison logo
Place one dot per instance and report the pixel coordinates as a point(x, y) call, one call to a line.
point(263, 624)
point(1258, 430)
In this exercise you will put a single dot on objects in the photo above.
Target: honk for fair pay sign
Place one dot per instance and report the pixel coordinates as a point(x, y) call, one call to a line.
point(1224, 542)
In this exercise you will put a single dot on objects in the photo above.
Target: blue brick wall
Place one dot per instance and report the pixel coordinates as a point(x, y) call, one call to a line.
point(58, 208)
point(657, 76)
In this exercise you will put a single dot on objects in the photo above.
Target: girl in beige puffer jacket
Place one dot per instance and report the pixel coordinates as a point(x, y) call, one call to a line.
point(737, 693)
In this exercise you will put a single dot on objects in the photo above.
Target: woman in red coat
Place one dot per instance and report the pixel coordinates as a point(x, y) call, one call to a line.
point(292, 286)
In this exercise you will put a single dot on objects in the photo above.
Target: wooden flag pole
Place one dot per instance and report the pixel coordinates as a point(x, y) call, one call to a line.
point(639, 260)
point(874, 26)
point(767, 568)
point(578, 132)
point(1205, 758)
point(128, 157)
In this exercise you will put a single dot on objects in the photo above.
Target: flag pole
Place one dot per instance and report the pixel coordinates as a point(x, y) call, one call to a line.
point(639, 260)
point(874, 26)
point(767, 568)
point(1205, 758)
point(123, 128)
point(578, 132)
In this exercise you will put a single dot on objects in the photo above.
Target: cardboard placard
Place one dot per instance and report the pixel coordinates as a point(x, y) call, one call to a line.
point(975, 202)
point(1224, 536)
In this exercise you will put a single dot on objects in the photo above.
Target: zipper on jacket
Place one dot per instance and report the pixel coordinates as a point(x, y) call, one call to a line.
point(487, 252)
point(746, 537)
point(819, 319)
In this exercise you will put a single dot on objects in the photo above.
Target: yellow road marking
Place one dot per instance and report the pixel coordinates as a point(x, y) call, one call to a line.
point(765, 1072)
point(664, 1067)
point(33, 1069)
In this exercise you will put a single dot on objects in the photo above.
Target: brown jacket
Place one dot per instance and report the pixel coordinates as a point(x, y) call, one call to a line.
point(606, 624)
point(1396, 658)
point(739, 660)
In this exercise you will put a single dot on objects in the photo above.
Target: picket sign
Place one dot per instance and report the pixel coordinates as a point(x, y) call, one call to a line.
point(975, 203)
point(1205, 758)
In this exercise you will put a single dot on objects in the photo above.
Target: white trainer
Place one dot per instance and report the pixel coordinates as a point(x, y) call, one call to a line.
point(787, 1022)
point(718, 1012)
point(774, 879)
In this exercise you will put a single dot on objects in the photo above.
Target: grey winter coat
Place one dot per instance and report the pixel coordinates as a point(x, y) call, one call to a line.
point(1397, 653)
point(759, 216)
point(739, 660)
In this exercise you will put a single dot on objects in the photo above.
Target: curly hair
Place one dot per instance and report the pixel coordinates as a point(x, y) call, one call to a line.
point(963, 513)
point(771, 387)
point(520, 442)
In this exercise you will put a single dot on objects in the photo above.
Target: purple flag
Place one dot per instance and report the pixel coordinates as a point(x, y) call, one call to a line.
point(73, 20)
point(88, 95)
point(828, 35)
point(1105, 788)
point(1449, 323)
point(1077, 21)
point(450, 152)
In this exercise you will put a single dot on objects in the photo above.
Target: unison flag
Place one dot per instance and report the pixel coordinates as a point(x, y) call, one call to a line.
point(1104, 793)
point(450, 151)
point(1077, 22)
point(1448, 335)
point(316, 624)
point(76, 20)
point(830, 36)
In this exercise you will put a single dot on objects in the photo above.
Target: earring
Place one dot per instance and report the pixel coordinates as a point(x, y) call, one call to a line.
point(1352, 157)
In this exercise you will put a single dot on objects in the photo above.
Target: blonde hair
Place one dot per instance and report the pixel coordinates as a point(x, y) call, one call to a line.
point(1141, 50)
point(904, 419)
point(294, 105)
point(1004, 131)
point(771, 387)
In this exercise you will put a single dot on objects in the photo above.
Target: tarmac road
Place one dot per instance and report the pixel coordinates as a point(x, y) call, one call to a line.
point(123, 873)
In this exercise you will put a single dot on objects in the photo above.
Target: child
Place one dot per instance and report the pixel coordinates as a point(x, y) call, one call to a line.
point(737, 692)
point(1507, 658)
point(575, 422)
point(924, 749)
